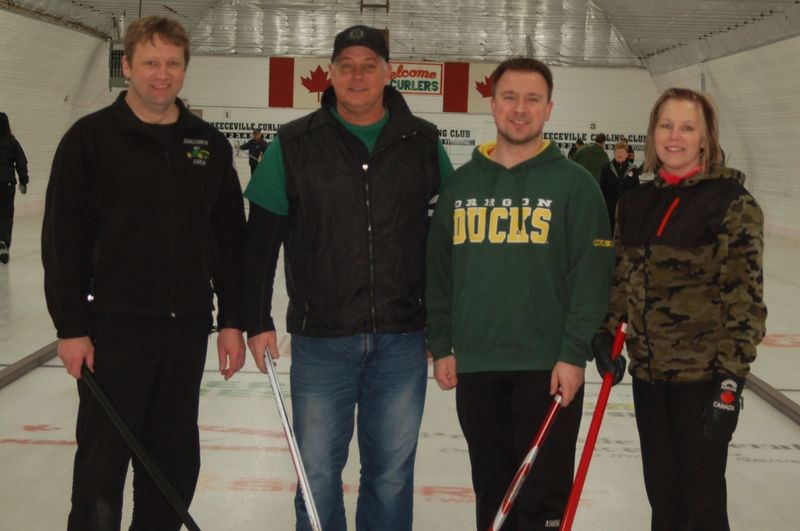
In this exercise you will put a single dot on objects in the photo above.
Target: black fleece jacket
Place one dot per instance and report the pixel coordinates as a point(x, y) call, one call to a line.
point(143, 219)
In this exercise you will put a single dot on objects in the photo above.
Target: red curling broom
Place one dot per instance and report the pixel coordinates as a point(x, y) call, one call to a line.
point(591, 437)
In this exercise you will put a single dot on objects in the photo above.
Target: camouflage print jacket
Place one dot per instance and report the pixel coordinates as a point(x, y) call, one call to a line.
point(689, 277)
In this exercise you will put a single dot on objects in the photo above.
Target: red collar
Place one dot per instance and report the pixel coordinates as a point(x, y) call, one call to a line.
point(672, 179)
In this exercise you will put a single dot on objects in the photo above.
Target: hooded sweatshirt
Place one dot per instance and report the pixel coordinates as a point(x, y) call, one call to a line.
point(519, 264)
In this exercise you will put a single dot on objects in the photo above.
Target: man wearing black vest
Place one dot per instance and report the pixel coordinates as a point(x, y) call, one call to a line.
point(346, 190)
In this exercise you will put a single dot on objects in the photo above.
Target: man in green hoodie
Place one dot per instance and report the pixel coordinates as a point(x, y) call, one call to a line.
point(593, 157)
point(519, 266)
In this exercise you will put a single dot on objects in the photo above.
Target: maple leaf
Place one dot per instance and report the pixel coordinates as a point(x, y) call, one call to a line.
point(317, 82)
point(485, 87)
point(727, 397)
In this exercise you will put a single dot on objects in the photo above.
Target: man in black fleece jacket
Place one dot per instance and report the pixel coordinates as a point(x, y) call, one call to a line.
point(144, 221)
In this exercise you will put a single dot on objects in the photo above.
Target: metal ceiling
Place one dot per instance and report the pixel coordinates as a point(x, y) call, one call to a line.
point(658, 34)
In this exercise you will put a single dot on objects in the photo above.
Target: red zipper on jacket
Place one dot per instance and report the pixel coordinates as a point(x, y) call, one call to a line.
point(667, 215)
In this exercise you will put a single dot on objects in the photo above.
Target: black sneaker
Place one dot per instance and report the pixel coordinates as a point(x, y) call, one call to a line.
point(3, 252)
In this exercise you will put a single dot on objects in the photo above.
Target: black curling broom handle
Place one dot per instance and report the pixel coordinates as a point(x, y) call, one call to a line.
point(138, 450)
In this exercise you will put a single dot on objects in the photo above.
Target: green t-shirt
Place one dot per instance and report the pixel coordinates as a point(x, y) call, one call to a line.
point(267, 187)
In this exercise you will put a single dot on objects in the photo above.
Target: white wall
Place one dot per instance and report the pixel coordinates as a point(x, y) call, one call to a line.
point(50, 77)
point(227, 81)
point(759, 107)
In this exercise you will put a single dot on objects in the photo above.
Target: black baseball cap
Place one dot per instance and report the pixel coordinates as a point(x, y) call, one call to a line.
point(361, 36)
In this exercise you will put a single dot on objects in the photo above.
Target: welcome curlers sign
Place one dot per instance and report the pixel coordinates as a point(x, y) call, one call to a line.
point(417, 78)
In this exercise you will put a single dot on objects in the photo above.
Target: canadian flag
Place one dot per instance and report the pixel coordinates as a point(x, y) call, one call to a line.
point(300, 82)
point(467, 87)
point(297, 83)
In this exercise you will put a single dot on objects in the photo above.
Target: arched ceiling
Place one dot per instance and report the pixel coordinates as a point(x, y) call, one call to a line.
point(655, 34)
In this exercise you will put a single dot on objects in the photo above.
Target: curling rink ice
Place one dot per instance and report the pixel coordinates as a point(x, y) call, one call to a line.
point(247, 481)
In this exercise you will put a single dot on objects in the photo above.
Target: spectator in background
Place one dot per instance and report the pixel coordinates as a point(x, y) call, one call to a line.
point(255, 148)
point(629, 148)
point(617, 176)
point(593, 156)
point(575, 147)
point(12, 163)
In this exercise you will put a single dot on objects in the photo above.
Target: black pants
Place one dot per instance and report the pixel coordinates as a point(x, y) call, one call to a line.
point(684, 474)
point(151, 368)
point(7, 192)
point(500, 413)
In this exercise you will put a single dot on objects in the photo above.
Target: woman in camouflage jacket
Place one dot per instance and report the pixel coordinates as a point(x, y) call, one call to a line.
point(689, 281)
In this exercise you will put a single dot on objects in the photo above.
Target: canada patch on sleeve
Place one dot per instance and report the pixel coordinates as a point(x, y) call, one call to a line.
point(603, 243)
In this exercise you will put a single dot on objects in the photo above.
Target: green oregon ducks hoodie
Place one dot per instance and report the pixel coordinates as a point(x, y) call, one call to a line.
point(519, 264)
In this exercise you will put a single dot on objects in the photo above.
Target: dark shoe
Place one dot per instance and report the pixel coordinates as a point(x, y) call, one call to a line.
point(4, 253)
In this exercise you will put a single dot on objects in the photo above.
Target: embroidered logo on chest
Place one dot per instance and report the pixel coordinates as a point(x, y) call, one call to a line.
point(198, 152)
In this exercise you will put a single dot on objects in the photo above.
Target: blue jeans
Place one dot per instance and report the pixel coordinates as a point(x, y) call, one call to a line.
point(385, 375)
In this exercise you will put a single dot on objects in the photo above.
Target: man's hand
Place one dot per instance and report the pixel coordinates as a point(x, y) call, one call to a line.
point(567, 377)
point(231, 351)
point(23, 188)
point(73, 352)
point(444, 370)
point(260, 344)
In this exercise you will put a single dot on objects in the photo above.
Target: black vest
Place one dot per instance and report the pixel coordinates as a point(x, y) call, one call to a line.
point(357, 223)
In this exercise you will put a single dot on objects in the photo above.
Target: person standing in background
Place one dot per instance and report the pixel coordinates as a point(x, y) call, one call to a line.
point(12, 163)
point(255, 148)
point(617, 177)
point(575, 147)
point(631, 154)
point(143, 224)
point(593, 156)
